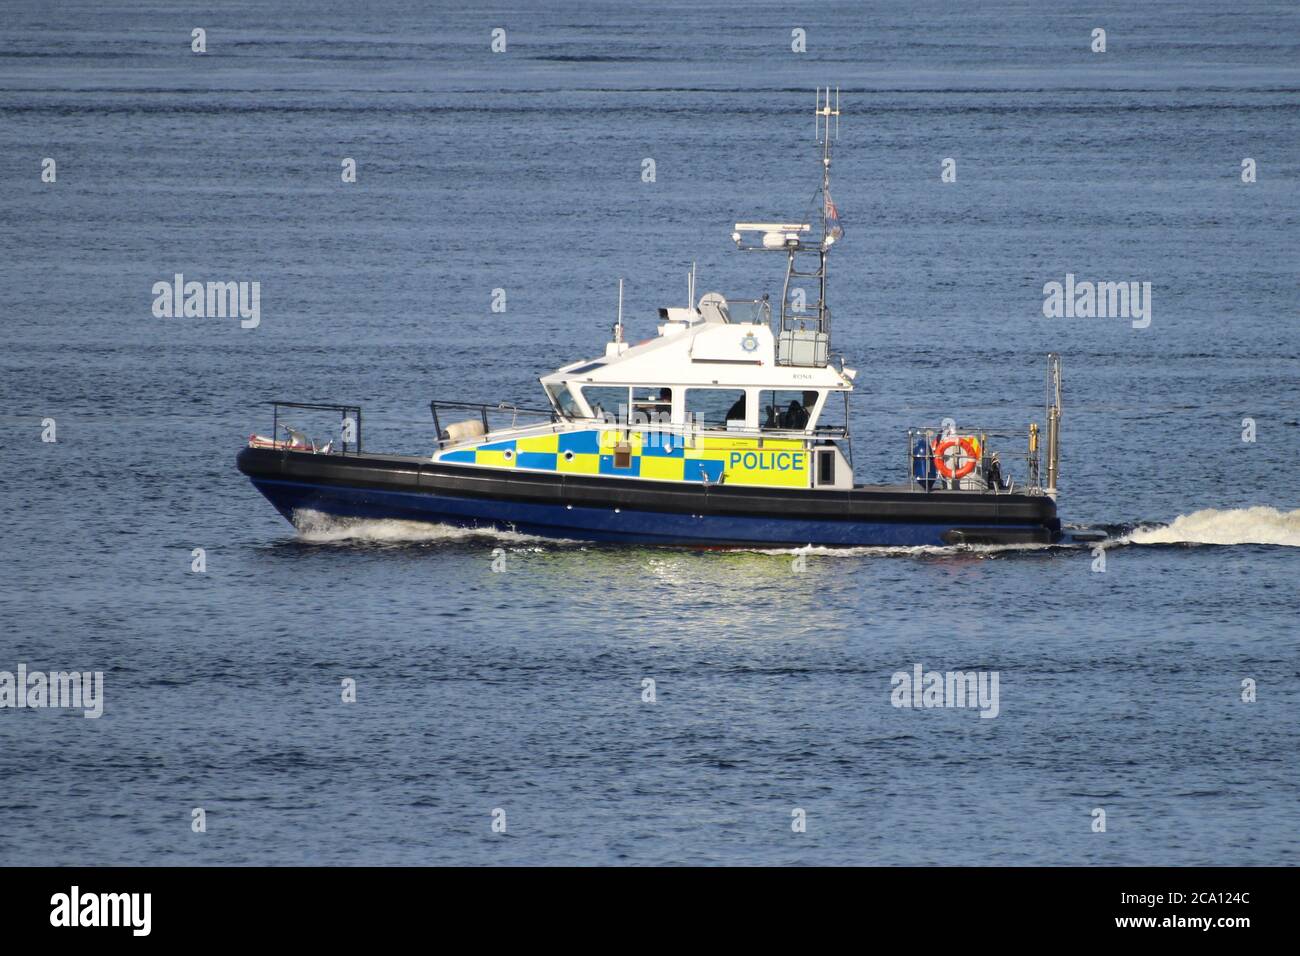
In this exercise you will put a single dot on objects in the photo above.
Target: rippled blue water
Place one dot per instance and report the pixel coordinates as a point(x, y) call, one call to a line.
point(522, 690)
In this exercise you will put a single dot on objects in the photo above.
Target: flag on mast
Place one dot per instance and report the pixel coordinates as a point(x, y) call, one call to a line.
point(832, 215)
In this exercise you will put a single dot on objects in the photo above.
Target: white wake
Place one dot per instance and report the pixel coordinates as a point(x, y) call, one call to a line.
point(1258, 525)
point(319, 528)
point(898, 550)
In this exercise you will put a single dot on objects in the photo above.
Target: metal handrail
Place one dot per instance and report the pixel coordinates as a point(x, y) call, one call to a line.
point(820, 432)
point(930, 478)
point(343, 410)
point(483, 408)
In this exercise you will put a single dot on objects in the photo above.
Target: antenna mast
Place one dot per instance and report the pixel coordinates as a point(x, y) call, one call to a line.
point(804, 332)
point(824, 137)
point(799, 319)
point(618, 326)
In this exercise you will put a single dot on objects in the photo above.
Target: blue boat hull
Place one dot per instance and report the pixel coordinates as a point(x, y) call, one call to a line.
point(908, 519)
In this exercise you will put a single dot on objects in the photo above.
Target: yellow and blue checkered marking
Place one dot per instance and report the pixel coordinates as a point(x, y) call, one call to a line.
point(657, 457)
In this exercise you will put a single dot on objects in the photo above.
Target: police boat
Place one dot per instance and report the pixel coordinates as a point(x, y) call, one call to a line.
point(719, 431)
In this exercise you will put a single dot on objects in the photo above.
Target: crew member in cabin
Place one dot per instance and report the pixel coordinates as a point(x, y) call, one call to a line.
point(657, 410)
point(796, 415)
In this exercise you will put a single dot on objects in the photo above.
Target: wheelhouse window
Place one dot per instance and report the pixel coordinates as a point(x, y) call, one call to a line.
point(607, 402)
point(717, 407)
point(653, 406)
point(787, 409)
point(563, 401)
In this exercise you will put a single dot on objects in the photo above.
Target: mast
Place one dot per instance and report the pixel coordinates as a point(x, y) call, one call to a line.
point(830, 218)
point(818, 319)
point(1053, 421)
point(804, 329)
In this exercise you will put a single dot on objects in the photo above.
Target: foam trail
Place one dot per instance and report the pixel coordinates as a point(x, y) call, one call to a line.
point(902, 551)
point(1257, 525)
point(319, 528)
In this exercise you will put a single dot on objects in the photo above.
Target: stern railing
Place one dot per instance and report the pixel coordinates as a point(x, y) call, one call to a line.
point(923, 473)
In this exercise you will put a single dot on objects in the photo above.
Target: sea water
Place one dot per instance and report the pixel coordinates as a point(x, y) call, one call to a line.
point(584, 704)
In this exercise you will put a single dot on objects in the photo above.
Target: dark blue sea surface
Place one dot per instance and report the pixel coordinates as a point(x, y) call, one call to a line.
point(522, 691)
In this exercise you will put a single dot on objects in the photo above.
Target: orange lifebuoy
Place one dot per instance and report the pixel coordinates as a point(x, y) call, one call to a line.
point(969, 449)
